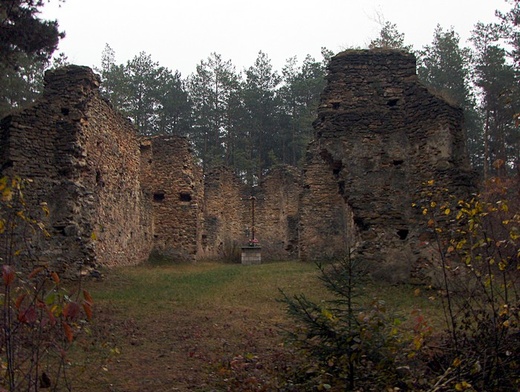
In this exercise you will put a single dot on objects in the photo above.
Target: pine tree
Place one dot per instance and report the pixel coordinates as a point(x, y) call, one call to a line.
point(498, 84)
point(213, 90)
point(444, 66)
point(390, 38)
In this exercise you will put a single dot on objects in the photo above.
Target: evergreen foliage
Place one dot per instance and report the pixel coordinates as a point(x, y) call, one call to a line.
point(26, 46)
point(254, 119)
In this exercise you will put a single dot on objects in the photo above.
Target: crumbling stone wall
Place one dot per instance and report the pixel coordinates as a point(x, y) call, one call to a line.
point(228, 214)
point(113, 197)
point(276, 213)
point(326, 222)
point(83, 160)
point(173, 182)
point(379, 135)
point(226, 201)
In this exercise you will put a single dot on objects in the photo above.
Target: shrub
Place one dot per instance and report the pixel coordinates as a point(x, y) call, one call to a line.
point(349, 344)
point(40, 318)
point(476, 244)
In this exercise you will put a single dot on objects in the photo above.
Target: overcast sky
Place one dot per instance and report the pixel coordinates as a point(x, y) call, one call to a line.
point(180, 33)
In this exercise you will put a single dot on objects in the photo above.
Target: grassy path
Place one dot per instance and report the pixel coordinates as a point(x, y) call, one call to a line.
point(198, 327)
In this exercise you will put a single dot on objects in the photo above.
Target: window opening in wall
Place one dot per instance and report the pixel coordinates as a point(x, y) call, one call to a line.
point(392, 102)
point(184, 196)
point(65, 111)
point(397, 162)
point(402, 233)
point(99, 179)
point(361, 224)
point(341, 187)
point(158, 196)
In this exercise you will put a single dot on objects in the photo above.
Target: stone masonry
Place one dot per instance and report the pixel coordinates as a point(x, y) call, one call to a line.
point(379, 135)
point(114, 197)
point(84, 162)
point(173, 182)
point(228, 214)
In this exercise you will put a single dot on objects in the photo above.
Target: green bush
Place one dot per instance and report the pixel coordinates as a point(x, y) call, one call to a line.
point(350, 343)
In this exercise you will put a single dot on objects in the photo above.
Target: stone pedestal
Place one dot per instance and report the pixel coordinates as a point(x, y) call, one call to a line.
point(251, 255)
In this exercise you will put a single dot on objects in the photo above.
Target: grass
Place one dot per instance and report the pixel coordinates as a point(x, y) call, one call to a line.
point(201, 327)
point(195, 285)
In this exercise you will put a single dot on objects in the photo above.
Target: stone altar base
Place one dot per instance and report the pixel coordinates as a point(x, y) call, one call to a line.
point(251, 255)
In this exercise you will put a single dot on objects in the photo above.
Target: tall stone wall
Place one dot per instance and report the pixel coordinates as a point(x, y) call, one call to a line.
point(225, 219)
point(276, 213)
point(228, 215)
point(83, 160)
point(114, 197)
point(326, 223)
point(173, 182)
point(379, 135)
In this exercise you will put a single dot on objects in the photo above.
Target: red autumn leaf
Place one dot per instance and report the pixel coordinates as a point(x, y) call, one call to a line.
point(55, 277)
point(71, 310)
point(88, 297)
point(52, 319)
point(68, 332)
point(8, 274)
point(88, 310)
point(19, 301)
point(28, 315)
point(35, 272)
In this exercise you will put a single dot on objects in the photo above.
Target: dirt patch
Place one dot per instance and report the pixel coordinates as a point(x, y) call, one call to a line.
point(181, 350)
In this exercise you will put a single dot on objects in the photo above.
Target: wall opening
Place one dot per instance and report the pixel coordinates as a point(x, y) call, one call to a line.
point(392, 102)
point(341, 187)
point(402, 233)
point(361, 224)
point(185, 196)
point(99, 179)
point(158, 196)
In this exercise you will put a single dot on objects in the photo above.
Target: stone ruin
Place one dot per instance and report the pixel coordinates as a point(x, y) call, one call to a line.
point(115, 197)
point(379, 136)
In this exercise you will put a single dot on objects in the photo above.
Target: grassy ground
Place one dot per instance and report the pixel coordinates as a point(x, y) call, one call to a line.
point(200, 327)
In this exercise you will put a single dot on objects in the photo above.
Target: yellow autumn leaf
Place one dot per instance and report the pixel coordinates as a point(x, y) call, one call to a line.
point(3, 183)
point(328, 314)
point(7, 194)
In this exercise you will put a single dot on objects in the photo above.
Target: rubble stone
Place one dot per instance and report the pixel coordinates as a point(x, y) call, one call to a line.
point(380, 134)
point(115, 197)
